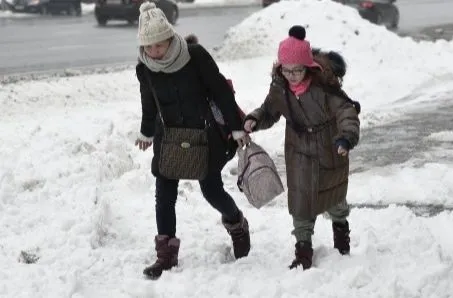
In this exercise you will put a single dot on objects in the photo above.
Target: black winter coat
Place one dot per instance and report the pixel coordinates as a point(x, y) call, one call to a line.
point(183, 98)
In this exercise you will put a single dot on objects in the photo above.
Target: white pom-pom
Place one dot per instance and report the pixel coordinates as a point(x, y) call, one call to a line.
point(147, 6)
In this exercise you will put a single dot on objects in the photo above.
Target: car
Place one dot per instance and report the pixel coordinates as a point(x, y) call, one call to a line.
point(266, 3)
point(129, 10)
point(380, 12)
point(70, 7)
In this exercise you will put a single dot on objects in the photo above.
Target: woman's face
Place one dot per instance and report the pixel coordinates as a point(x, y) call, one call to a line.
point(294, 73)
point(158, 50)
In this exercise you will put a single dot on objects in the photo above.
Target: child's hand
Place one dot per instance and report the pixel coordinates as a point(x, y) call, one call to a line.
point(342, 151)
point(342, 147)
point(249, 125)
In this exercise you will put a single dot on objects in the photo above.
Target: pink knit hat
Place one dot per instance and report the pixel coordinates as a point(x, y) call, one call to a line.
point(295, 49)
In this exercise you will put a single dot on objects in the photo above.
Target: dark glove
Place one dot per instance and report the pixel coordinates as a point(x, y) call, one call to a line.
point(343, 146)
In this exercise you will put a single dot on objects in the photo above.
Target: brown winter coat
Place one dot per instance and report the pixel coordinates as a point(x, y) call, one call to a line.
point(317, 176)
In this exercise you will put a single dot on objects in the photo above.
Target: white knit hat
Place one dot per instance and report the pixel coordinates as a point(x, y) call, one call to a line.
point(153, 26)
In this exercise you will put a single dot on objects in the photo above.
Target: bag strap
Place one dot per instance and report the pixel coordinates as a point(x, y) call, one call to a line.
point(156, 99)
point(209, 117)
point(194, 58)
point(300, 128)
point(291, 122)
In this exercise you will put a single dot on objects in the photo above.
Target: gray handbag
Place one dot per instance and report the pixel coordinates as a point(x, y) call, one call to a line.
point(258, 176)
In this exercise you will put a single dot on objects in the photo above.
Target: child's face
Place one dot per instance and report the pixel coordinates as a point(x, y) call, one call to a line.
point(294, 73)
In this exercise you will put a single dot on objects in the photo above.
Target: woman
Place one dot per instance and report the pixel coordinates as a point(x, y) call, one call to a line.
point(322, 126)
point(183, 77)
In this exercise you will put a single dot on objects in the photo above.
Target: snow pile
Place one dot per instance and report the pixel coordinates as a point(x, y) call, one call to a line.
point(10, 14)
point(88, 8)
point(78, 219)
point(380, 62)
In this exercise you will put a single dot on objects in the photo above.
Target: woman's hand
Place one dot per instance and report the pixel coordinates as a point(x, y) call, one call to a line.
point(143, 145)
point(143, 142)
point(241, 138)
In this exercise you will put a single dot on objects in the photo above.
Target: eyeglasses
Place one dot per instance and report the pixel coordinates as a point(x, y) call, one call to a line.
point(294, 72)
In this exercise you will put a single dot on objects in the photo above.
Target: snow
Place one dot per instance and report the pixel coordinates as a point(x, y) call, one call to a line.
point(376, 56)
point(10, 14)
point(77, 194)
point(88, 8)
point(442, 136)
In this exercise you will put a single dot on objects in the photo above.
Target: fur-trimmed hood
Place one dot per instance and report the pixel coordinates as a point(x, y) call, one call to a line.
point(332, 63)
point(330, 78)
point(332, 60)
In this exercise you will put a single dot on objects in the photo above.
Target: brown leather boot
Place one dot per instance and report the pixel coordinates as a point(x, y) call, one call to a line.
point(240, 236)
point(304, 255)
point(341, 237)
point(167, 256)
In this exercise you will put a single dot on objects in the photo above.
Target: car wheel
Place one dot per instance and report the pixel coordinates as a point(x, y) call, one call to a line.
point(79, 10)
point(72, 11)
point(396, 20)
point(378, 20)
point(102, 21)
point(174, 14)
point(43, 10)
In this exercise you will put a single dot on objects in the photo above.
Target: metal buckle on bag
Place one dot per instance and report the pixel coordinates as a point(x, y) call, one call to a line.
point(185, 145)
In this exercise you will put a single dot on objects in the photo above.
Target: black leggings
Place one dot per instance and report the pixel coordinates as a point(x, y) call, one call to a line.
point(213, 191)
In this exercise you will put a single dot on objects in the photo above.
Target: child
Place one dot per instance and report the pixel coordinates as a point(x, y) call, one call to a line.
point(322, 125)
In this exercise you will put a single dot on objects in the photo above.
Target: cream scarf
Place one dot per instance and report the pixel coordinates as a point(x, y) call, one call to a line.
point(177, 57)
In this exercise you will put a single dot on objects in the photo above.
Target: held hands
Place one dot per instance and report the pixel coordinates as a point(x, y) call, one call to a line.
point(143, 142)
point(249, 125)
point(241, 138)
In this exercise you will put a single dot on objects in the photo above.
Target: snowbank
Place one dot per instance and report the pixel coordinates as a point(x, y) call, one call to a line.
point(77, 199)
point(383, 67)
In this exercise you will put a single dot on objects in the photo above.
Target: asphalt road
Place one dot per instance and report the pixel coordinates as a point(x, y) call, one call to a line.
point(40, 44)
point(46, 43)
point(418, 14)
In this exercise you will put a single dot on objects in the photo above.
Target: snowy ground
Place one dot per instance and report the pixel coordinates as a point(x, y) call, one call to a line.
point(76, 193)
